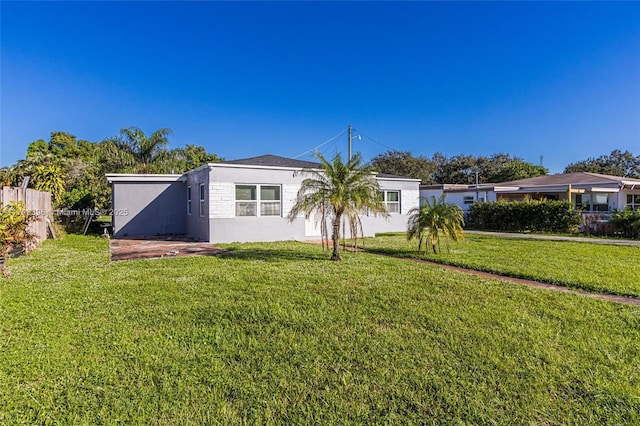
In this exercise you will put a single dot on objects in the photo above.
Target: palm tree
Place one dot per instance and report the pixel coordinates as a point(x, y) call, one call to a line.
point(339, 190)
point(433, 218)
point(137, 150)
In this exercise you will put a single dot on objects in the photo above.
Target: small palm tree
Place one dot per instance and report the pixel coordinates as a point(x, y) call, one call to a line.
point(338, 190)
point(435, 218)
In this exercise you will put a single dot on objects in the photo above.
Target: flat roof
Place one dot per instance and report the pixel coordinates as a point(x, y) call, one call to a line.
point(132, 177)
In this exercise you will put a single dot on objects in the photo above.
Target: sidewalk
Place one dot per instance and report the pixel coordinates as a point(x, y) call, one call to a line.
point(559, 238)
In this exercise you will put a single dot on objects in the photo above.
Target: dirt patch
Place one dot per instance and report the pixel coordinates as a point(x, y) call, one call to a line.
point(151, 248)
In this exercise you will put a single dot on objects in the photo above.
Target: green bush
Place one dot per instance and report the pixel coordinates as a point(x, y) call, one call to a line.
point(14, 230)
point(527, 215)
point(626, 222)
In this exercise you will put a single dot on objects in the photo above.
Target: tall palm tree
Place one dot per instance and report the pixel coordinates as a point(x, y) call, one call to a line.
point(433, 218)
point(338, 190)
point(135, 149)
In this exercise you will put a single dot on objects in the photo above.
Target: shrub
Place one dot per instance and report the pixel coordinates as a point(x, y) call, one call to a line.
point(527, 215)
point(626, 222)
point(14, 232)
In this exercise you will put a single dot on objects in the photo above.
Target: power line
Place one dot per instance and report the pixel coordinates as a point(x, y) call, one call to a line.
point(315, 148)
point(375, 141)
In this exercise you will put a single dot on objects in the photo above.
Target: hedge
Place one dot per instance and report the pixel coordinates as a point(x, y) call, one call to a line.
point(527, 215)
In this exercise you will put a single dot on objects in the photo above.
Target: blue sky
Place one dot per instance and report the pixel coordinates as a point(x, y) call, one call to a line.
point(558, 80)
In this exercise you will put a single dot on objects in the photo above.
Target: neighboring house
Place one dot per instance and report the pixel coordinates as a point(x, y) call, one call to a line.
point(238, 201)
point(589, 192)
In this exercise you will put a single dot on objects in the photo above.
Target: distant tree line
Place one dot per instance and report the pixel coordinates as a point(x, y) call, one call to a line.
point(464, 169)
point(73, 170)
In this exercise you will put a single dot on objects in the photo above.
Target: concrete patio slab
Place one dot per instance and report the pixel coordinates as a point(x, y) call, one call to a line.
point(151, 248)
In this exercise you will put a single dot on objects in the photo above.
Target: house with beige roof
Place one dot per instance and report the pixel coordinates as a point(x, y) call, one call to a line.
point(590, 192)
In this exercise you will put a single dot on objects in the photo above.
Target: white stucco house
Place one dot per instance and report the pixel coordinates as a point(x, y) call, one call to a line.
point(238, 201)
point(592, 193)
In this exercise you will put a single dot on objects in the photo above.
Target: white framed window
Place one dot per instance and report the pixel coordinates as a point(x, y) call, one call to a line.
point(633, 201)
point(188, 200)
point(468, 199)
point(391, 199)
point(202, 194)
point(594, 202)
point(258, 200)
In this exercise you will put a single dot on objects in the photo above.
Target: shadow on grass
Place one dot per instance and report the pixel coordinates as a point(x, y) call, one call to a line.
point(273, 254)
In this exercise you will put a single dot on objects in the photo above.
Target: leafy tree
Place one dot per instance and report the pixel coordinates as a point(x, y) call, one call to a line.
point(339, 190)
point(49, 178)
point(403, 163)
point(618, 163)
point(181, 160)
point(516, 170)
point(433, 218)
point(500, 167)
point(37, 149)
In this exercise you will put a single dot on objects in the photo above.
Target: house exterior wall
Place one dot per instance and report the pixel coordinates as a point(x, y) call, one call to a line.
point(458, 197)
point(148, 208)
point(396, 222)
point(197, 226)
point(157, 207)
point(226, 227)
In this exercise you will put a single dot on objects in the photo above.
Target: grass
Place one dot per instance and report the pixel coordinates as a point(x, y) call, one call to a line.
point(276, 333)
point(600, 268)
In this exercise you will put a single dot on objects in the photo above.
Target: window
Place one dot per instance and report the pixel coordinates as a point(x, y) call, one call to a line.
point(391, 200)
point(188, 200)
point(582, 201)
point(202, 199)
point(633, 201)
point(249, 197)
point(600, 202)
point(269, 201)
point(595, 202)
point(468, 199)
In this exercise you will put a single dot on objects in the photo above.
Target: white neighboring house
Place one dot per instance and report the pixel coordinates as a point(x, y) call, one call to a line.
point(590, 192)
point(238, 201)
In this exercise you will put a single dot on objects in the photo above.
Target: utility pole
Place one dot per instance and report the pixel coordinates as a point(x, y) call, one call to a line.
point(349, 158)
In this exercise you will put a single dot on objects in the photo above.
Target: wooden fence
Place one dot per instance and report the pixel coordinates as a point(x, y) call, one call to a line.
point(38, 201)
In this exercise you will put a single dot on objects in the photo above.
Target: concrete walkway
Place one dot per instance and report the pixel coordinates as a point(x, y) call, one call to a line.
point(558, 238)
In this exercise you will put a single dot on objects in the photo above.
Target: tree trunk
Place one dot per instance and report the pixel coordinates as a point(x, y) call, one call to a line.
point(336, 238)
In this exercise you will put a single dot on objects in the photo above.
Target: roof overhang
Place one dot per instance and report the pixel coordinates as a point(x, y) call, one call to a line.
point(247, 166)
point(144, 178)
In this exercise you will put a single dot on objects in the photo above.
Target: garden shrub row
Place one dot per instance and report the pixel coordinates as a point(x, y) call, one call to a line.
point(527, 215)
point(626, 223)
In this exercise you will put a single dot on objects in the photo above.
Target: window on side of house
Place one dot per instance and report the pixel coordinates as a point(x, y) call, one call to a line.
point(583, 202)
point(270, 200)
point(633, 201)
point(600, 202)
point(593, 202)
point(188, 200)
point(202, 193)
point(391, 199)
point(468, 199)
point(258, 200)
point(246, 200)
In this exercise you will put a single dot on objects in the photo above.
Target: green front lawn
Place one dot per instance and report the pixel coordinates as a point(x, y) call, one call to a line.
point(276, 333)
point(594, 267)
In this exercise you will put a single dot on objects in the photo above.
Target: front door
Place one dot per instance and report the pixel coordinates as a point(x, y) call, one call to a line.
point(312, 226)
